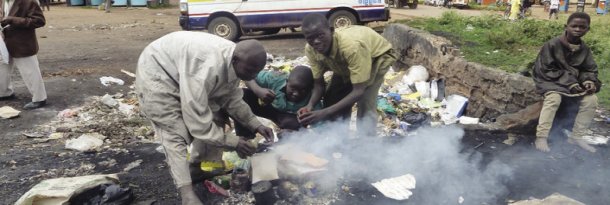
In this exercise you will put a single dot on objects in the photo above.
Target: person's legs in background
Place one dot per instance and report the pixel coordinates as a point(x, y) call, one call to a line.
point(30, 72)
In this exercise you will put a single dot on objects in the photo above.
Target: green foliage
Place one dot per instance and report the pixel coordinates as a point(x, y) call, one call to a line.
point(492, 7)
point(513, 46)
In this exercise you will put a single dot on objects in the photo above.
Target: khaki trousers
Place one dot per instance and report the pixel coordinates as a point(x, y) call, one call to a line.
point(584, 117)
point(367, 105)
point(159, 101)
point(30, 72)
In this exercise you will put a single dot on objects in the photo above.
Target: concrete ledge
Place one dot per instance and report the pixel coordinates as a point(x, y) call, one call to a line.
point(491, 92)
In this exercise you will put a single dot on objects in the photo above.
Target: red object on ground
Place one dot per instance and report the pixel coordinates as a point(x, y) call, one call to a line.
point(215, 189)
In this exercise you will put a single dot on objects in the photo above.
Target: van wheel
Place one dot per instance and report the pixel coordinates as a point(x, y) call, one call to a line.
point(224, 27)
point(342, 18)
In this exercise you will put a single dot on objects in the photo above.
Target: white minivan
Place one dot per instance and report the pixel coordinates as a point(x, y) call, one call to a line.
point(232, 18)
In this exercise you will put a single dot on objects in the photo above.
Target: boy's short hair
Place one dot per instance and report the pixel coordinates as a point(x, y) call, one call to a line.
point(579, 15)
point(313, 20)
point(302, 73)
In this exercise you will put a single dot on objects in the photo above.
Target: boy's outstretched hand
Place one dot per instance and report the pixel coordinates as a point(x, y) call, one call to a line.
point(303, 110)
point(265, 132)
point(312, 117)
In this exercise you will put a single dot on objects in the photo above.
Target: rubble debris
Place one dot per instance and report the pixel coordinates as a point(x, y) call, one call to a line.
point(288, 191)
point(126, 109)
point(215, 189)
point(56, 135)
point(86, 143)
point(108, 163)
point(67, 113)
point(468, 120)
point(33, 134)
point(511, 139)
point(263, 193)
point(240, 181)
point(60, 190)
point(596, 139)
point(397, 188)
point(132, 165)
point(555, 198)
point(130, 74)
point(109, 101)
point(107, 81)
point(7, 112)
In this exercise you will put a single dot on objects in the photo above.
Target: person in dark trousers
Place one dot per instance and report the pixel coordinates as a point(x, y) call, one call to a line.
point(565, 71)
point(44, 3)
point(20, 19)
point(281, 96)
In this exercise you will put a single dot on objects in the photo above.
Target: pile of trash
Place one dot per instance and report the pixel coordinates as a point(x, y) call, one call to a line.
point(102, 122)
point(280, 63)
point(409, 100)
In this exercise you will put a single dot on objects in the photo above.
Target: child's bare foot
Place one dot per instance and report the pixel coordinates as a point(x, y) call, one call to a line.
point(542, 144)
point(582, 144)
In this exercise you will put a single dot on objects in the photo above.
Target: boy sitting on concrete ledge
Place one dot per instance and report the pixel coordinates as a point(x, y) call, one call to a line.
point(565, 69)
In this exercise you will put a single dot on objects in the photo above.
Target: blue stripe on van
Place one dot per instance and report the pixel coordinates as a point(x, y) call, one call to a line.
point(198, 23)
point(372, 15)
point(262, 21)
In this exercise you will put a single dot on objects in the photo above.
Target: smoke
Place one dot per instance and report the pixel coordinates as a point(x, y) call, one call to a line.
point(443, 168)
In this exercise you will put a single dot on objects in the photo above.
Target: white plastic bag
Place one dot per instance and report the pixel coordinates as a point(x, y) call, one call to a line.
point(58, 191)
point(4, 57)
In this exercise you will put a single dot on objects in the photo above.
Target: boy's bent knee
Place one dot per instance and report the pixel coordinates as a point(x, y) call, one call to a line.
point(589, 101)
point(552, 99)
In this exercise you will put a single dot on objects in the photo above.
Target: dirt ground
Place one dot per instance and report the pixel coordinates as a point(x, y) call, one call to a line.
point(80, 45)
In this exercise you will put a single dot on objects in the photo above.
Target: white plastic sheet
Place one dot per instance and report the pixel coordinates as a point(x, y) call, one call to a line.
point(58, 191)
point(4, 57)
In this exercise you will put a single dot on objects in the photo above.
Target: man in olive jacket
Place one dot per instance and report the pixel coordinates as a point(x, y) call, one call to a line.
point(20, 18)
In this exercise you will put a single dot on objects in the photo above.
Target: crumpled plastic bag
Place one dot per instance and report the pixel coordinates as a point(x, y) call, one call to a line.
point(104, 194)
point(384, 105)
point(416, 119)
point(4, 56)
point(60, 190)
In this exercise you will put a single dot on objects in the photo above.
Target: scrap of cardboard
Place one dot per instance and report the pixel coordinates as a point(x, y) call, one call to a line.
point(297, 156)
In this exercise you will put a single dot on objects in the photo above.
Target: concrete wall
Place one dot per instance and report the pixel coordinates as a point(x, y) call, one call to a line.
point(491, 92)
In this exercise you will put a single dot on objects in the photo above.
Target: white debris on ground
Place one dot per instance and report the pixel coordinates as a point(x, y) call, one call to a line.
point(86, 143)
point(107, 81)
point(7, 112)
point(114, 116)
point(555, 198)
point(596, 139)
point(132, 165)
point(59, 191)
point(398, 188)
